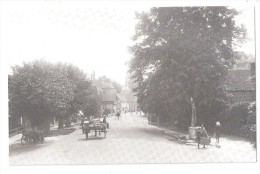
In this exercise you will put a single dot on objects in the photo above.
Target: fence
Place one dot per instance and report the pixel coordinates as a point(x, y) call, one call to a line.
point(15, 131)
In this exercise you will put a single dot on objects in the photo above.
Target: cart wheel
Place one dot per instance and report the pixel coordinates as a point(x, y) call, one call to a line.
point(86, 135)
point(24, 140)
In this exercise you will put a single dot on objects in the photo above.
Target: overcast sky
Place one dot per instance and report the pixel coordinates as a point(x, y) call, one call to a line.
point(95, 38)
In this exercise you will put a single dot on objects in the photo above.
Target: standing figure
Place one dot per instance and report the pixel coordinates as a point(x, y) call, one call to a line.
point(118, 114)
point(217, 131)
point(204, 135)
point(105, 122)
point(199, 136)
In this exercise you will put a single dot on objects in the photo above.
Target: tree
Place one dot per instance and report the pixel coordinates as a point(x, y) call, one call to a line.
point(242, 60)
point(39, 90)
point(181, 53)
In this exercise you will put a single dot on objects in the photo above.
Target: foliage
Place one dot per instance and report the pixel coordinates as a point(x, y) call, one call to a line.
point(240, 120)
point(251, 113)
point(92, 106)
point(39, 90)
point(107, 81)
point(181, 53)
point(236, 118)
point(106, 112)
point(241, 60)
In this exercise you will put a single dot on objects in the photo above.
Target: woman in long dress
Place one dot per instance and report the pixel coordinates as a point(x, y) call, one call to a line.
point(217, 131)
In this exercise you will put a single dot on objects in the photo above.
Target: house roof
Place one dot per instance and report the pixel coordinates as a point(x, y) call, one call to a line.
point(239, 80)
point(109, 96)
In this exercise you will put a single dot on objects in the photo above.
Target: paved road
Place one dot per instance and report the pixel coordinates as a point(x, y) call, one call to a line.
point(129, 140)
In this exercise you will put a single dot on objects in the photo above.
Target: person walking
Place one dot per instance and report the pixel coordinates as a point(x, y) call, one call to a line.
point(217, 132)
point(105, 121)
point(118, 114)
point(204, 135)
point(199, 136)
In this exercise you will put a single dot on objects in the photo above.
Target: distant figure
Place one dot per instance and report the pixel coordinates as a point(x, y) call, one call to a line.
point(202, 133)
point(217, 131)
point(105, 121)
point(199, 136)
point(118, 114)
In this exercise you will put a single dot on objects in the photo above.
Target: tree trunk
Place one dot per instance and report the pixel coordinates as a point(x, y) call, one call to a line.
point(68, 121)
point(61, 122)
point(47, 125)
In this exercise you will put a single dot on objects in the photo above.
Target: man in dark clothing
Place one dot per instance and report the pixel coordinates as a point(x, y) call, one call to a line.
point(201, 133)
point(118, 114)
point(105, 121)
point(199, 136)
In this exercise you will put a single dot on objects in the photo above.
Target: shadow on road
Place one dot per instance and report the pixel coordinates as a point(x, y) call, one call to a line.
point(19, 148)
point(91, 138)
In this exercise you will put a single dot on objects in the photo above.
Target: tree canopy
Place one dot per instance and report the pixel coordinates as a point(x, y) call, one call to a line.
point(39, 90)
point(181, 53)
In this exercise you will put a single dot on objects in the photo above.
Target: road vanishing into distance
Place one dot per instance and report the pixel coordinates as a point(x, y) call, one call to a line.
point(129, 140)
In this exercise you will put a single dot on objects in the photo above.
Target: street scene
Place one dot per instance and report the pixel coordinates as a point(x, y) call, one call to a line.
point(129, 140)
point(130, 85)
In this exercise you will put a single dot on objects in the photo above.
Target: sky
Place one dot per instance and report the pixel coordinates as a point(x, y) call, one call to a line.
point(90, 36)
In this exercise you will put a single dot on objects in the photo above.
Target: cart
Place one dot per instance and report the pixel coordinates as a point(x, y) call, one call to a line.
point(32, 137)
point(94, 125)
point(205, 140)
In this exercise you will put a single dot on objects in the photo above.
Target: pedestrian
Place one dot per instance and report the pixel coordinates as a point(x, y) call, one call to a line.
point(105, 122)
point(204, 135)
point(217, 132)
point(204, 132)
point(118, 114)
point(199, 136)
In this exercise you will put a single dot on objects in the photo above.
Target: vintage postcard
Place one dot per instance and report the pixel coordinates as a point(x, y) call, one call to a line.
point(118, 83)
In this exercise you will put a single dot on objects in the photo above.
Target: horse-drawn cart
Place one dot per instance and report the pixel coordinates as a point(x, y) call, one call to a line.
point(32, 136)
point(94, 125)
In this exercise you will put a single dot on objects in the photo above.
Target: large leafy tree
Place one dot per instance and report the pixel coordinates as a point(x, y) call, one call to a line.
point(39, 90)
point(181, 53)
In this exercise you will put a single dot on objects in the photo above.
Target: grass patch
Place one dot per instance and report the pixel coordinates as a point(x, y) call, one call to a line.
point(58, 132)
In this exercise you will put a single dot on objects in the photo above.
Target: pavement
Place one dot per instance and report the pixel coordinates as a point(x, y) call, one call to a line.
point(129, 140)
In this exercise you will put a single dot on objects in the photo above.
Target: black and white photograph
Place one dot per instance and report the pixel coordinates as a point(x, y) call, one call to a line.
point(91, 83)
